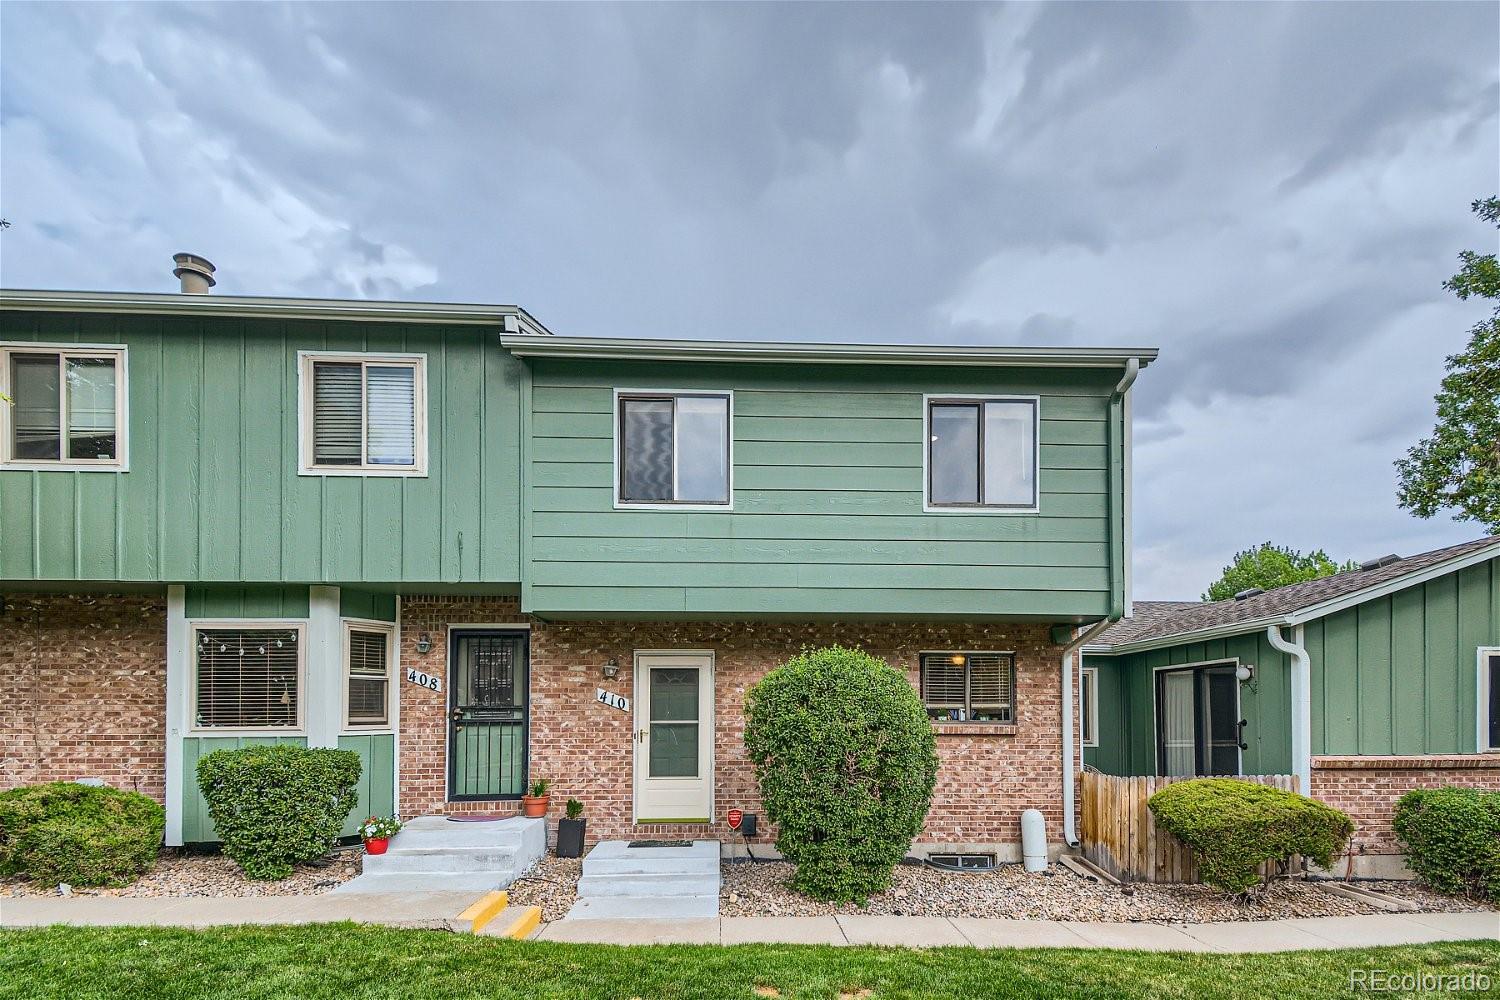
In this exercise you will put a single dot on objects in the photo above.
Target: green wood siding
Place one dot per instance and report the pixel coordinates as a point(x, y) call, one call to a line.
point(1398, 674)
point(253, 601)
point(827, 515)
point(213, 492)
point(1393, 675)
point(197, 828)
point(1127, 706)
point(377, 778)
point(367, 604)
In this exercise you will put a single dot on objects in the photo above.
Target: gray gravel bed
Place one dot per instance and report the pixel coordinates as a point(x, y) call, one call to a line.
point(179, 874)
point(754, 890)
point(551, 883)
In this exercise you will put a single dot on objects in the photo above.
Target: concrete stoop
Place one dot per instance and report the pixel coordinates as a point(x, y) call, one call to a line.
point(621, 882)
point(434, 853)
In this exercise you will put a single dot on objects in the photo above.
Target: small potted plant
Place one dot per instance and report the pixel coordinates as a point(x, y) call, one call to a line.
point(377, 832)
point(535, 804)
point(570, 831)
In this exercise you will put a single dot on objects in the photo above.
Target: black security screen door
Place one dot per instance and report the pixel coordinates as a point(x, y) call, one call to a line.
point(488, 681)
point(1197, 721)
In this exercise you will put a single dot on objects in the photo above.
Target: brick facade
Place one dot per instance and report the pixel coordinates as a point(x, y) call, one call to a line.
point(83, 690)
point(984, 781)
point(1367, 788)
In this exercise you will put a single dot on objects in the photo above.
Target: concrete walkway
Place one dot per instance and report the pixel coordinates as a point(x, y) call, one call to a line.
point(438, 910)
point(931, 932)
point(441, 909)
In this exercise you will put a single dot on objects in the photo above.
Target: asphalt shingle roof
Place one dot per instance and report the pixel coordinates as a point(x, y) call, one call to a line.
point(1161, 619)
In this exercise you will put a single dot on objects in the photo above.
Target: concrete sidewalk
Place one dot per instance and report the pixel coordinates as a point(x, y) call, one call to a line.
point(931, 932)
point(438, 910)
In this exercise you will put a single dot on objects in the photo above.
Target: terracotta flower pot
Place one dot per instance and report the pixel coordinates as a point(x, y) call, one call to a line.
point(377, 845)
point(535, 805)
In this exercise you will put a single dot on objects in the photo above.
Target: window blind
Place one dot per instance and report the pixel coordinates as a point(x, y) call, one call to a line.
point(36, 414)
point(943, 681)
point(990, 685)
point(969, 687)
point(369, 684)
point(91, 407)
point(247, 678)
point(338, 423)
point(391, 430)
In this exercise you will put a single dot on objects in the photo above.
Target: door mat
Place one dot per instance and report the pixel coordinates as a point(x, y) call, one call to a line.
point(660, 843)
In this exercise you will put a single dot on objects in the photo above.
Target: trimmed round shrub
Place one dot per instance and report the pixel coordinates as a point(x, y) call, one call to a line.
point(1233, 827)
point(79, 834)
point(278, 806)
point(1452, 839)
point(846, 760)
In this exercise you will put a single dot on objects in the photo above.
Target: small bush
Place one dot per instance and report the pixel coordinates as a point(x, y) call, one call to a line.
point(1234, 827)
point(846, 761)
point(67, 832)
point(278, 806)
point(1452, 839)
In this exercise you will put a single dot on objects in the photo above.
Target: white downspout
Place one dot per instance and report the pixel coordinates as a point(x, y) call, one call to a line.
point(1301, 704)
point(1070, 825)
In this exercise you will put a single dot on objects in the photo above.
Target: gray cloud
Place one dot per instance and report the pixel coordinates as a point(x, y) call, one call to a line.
point(1270, 193)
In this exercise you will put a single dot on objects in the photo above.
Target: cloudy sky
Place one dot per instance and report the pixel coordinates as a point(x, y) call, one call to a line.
point(1272, 194)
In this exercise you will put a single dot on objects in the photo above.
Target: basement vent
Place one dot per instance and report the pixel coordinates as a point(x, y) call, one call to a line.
point(660, 843)
point(963, 862)
point(1245, 595)
point(1379, 562)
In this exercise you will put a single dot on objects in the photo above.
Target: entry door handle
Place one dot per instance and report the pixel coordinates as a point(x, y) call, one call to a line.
point(640, 735)
point(1240, 735)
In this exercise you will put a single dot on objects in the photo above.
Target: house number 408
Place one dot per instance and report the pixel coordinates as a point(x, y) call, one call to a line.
point(428, 681)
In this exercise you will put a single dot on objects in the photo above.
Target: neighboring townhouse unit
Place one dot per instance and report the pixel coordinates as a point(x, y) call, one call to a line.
point(480, 554)
point(1365, 684)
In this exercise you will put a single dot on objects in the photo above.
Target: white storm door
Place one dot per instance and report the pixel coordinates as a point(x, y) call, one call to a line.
point(674, 737)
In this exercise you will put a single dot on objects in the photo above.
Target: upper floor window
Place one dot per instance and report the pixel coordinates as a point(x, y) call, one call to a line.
point(66, 407)
point(982, 453)
point(364, 414)
point(672, 448)
point(969, 687)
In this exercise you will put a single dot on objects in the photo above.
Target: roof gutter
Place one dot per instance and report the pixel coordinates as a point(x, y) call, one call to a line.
point(510, 319)
point(1301, 703)
point(1069, 698)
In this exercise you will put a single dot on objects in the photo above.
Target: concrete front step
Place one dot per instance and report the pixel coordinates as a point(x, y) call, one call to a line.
point(425, 882)
point(454, 861)
point(645, 908)
point(617, 857)
point(649, 884)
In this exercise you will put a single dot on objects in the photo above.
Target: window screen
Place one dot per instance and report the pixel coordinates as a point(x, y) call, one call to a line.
point(369, 677)
point(64, 407)
point(365, 414)
point(247, 678)
point(674, 449)
point(969, 687)
point(982, 453)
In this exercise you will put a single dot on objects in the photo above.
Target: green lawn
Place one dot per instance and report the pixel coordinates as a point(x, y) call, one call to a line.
point(347, 962)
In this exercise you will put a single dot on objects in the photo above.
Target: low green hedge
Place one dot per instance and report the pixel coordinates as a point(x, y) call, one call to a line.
point(1234, 827)
point(79, 834)
point(278, 806)
point(1452, 839)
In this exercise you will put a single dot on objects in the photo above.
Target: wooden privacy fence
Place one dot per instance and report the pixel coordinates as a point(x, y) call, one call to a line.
point(1120, 833)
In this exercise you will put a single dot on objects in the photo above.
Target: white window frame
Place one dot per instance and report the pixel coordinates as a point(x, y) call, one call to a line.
point(616, 470)
point(305, 464)
point(119, 353)
point(1088, 710)
point(931, 398)
point(368, 625)
point(202, 624)
point(1015, 685)
point(1481, 707)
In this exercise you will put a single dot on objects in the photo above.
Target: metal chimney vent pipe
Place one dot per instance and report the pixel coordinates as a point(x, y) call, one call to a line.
point(196, 273)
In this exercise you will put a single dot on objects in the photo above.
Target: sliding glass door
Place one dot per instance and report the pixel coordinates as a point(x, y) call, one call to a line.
point(1198, 721)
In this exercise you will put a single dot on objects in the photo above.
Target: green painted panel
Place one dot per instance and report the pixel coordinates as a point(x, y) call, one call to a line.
point(248, 601)
point(213, 494)
point(1373, 675)
point(1408, 670)
point(490, 761)
point(197, 827)
point(647, 525)
point(1340, 689)
point(377, 778)
point(370, 605)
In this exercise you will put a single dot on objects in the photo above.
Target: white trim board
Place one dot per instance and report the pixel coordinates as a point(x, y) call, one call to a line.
point(1481, 722)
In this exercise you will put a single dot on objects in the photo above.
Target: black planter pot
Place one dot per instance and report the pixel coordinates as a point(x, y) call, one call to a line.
point(570, 837)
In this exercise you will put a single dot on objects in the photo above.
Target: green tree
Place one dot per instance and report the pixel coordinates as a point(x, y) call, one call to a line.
point(1458, 467)
point(1267, 566)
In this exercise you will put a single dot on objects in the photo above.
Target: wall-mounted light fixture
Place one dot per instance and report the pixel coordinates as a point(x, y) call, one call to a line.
point(424, 643)
point(1244, 672)
point(611, 667)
